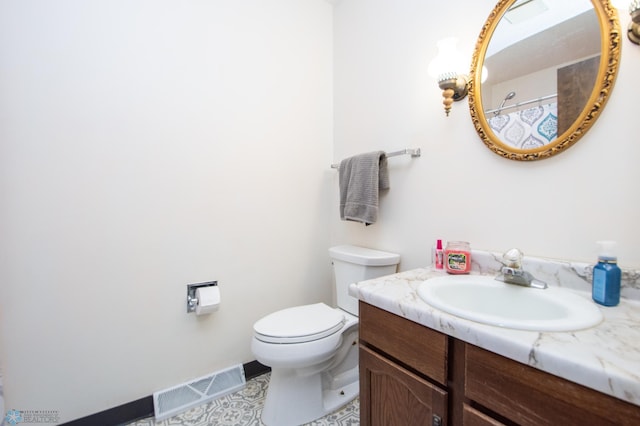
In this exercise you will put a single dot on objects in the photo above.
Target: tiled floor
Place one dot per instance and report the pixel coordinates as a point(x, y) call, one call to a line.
point(243, 408)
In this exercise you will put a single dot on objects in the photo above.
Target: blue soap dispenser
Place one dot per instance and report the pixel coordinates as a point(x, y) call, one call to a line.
point(606, 276)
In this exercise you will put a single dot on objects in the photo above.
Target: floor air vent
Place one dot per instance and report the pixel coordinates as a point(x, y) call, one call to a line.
point(175, 400)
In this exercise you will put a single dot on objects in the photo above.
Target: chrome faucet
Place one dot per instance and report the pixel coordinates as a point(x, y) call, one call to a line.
point(512, 272)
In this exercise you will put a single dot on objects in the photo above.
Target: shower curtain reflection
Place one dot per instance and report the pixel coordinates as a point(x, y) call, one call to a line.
point(529, 128)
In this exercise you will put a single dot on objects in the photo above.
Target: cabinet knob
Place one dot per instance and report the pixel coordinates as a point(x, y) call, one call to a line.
point(436, 420)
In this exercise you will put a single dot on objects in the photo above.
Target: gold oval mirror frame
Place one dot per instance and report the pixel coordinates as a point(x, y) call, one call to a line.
point(610, 44)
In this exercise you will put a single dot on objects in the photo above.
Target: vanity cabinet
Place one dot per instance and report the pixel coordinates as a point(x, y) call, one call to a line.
point(402, 377)
point(412, 375)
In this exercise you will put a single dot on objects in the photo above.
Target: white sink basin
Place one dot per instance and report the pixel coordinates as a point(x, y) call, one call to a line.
point(483, 299)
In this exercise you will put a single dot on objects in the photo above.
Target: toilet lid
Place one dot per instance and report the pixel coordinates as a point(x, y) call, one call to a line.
point(299, 324)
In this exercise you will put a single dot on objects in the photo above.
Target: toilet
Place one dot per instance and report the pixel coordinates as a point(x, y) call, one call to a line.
point(312, 349)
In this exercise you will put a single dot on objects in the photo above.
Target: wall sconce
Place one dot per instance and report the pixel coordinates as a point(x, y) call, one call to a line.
point(634, 26)
point(448, 69)
point(633, 31)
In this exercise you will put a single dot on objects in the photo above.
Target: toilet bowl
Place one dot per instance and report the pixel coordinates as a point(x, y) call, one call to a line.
point(312, 349)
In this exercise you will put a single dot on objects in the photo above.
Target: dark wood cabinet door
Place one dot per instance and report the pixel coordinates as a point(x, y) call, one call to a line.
point(393, 396)
point(473, 417)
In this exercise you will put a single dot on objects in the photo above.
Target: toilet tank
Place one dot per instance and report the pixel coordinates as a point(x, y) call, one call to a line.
point(353, 264)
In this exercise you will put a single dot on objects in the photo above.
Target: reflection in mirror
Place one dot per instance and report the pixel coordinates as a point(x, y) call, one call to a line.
point(550, 65)
point(532, 82)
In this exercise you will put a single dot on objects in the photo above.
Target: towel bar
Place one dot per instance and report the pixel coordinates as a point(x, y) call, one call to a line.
point(414, 152)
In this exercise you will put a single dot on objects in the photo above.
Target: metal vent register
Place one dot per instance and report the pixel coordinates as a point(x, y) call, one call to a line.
point(177, 399)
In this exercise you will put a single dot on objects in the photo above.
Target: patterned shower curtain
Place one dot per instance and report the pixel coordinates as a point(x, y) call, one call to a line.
point(529, 128)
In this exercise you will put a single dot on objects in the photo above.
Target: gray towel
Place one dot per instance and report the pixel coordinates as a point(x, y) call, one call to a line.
point(361, 177)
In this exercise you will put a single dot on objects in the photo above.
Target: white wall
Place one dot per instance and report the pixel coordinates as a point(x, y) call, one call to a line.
point(146, 145)
point(459, 189)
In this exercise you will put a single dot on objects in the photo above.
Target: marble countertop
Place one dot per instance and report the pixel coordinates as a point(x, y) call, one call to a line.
point(605, 358)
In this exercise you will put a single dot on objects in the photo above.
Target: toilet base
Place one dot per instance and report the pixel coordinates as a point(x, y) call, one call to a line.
point(293, 400)
point(305, 385)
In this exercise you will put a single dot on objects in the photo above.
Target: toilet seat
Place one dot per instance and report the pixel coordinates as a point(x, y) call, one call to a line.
point(299, 324)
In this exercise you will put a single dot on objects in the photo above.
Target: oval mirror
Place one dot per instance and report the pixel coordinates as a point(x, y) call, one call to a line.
point(542, 71)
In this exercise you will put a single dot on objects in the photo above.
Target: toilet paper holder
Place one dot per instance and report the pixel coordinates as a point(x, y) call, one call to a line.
point(192, 300)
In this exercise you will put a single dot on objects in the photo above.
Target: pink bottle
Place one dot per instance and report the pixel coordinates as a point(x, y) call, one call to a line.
point(439, 255)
